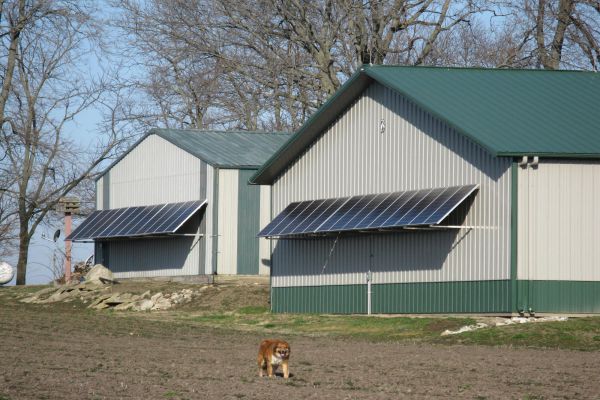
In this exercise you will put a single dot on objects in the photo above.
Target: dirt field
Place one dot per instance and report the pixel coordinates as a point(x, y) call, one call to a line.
point(64, 352)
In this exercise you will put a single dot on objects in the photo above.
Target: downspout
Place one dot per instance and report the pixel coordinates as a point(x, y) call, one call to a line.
point(369, 275)
point(215, 227)
point(514, 230)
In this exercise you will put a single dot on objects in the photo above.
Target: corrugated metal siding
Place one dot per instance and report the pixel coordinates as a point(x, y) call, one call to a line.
point(99, 194)
point(416, 151)
point(559, 296)
point(248, 224)
point(227, 222)
point(264, 245)
point(154, 257)
point(436, 297)
point(211, 239)
point(155, 172)
point(559, 221)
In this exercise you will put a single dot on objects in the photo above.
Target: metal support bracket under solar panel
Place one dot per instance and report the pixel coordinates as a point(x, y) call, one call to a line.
point(387, 212)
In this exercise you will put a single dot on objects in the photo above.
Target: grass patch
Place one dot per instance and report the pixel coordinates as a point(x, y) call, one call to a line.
point(575, 334)
point(250, 310)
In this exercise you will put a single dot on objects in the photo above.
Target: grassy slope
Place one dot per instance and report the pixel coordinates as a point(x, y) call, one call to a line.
point(245, 308)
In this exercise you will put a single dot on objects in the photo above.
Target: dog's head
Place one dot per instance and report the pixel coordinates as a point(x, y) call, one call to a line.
point(282, 350)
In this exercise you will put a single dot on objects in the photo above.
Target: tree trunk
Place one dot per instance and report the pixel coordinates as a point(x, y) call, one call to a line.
point(24, 240)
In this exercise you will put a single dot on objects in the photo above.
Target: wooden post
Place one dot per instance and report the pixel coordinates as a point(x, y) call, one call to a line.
point(67, 247)
point(70, 206)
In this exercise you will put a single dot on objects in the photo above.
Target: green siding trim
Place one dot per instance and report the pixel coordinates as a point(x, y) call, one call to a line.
point(514, 230)
point(335, 299)
point(400, 298)
point(560, 296)
point(248, 224)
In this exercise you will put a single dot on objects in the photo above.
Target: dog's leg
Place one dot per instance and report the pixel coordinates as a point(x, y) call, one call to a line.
point(286, 369)
point(269, 370)
point(261, 366)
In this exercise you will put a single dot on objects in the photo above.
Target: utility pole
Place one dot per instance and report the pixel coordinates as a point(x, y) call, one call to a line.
point(68, 205)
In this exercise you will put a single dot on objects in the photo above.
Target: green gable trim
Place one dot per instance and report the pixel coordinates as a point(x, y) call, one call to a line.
point(401, 298)
point(578, 297)
point(248, 224)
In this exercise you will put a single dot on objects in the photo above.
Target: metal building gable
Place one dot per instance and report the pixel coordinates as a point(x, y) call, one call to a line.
point(507, 112)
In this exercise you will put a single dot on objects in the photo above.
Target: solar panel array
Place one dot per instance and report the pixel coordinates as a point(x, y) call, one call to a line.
point(368, 212)
point(136, 221)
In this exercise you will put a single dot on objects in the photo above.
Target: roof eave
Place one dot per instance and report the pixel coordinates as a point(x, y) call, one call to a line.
point(548, 154)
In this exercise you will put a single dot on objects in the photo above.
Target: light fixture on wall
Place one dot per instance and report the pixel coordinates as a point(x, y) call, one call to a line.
point(382, 126)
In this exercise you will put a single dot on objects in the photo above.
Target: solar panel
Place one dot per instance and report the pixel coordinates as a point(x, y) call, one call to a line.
point(368, 212)
point(136, 221)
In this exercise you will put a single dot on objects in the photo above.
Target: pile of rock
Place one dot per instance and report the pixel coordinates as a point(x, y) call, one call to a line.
point(143, 302)
point(97, 290)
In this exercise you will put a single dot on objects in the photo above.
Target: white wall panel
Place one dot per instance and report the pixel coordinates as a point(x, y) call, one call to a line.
point(264, 245)
point(227, 221)
point(559, 221)
point(155, 172)
point(416, 151)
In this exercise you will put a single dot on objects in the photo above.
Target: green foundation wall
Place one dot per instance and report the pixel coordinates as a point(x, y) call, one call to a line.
point(559, 296)
point(421, 298)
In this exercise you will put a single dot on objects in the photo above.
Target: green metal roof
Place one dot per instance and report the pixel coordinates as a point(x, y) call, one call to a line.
point(222, 149)
point(226, 149)
point(508, 112)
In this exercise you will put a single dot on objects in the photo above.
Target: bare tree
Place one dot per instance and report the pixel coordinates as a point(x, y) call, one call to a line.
point(47, 92)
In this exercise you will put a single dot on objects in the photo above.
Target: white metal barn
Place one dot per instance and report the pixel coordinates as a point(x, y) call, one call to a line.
point(177, 203)
point(441, 190)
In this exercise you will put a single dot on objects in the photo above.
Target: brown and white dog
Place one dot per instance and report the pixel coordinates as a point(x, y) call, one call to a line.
point(271, 354)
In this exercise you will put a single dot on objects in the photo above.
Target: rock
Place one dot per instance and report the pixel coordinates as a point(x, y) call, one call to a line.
point(156, 296)
point(145, 294)
point(124, 306)
point(162, 304)
point(144, 305)
point(99, 299)
point(99, 274)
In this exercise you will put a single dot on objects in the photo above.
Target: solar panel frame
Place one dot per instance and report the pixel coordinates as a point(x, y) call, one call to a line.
point(316, 220)
point(136, 214)
point(433, 205)
point(360, 216)
point(400, 200)
point(339, 213)
point(343, 220)
point(105, 224)
point(83, 226)
point(165, 215)
point(451, 204)
point(382, 211)
point(184, 216)
point(268, 230)
point(301, 218)
point(412, 216)
point(292, 216)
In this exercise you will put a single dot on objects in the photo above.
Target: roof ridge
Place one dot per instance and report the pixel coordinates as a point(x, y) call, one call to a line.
point(533, 70)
